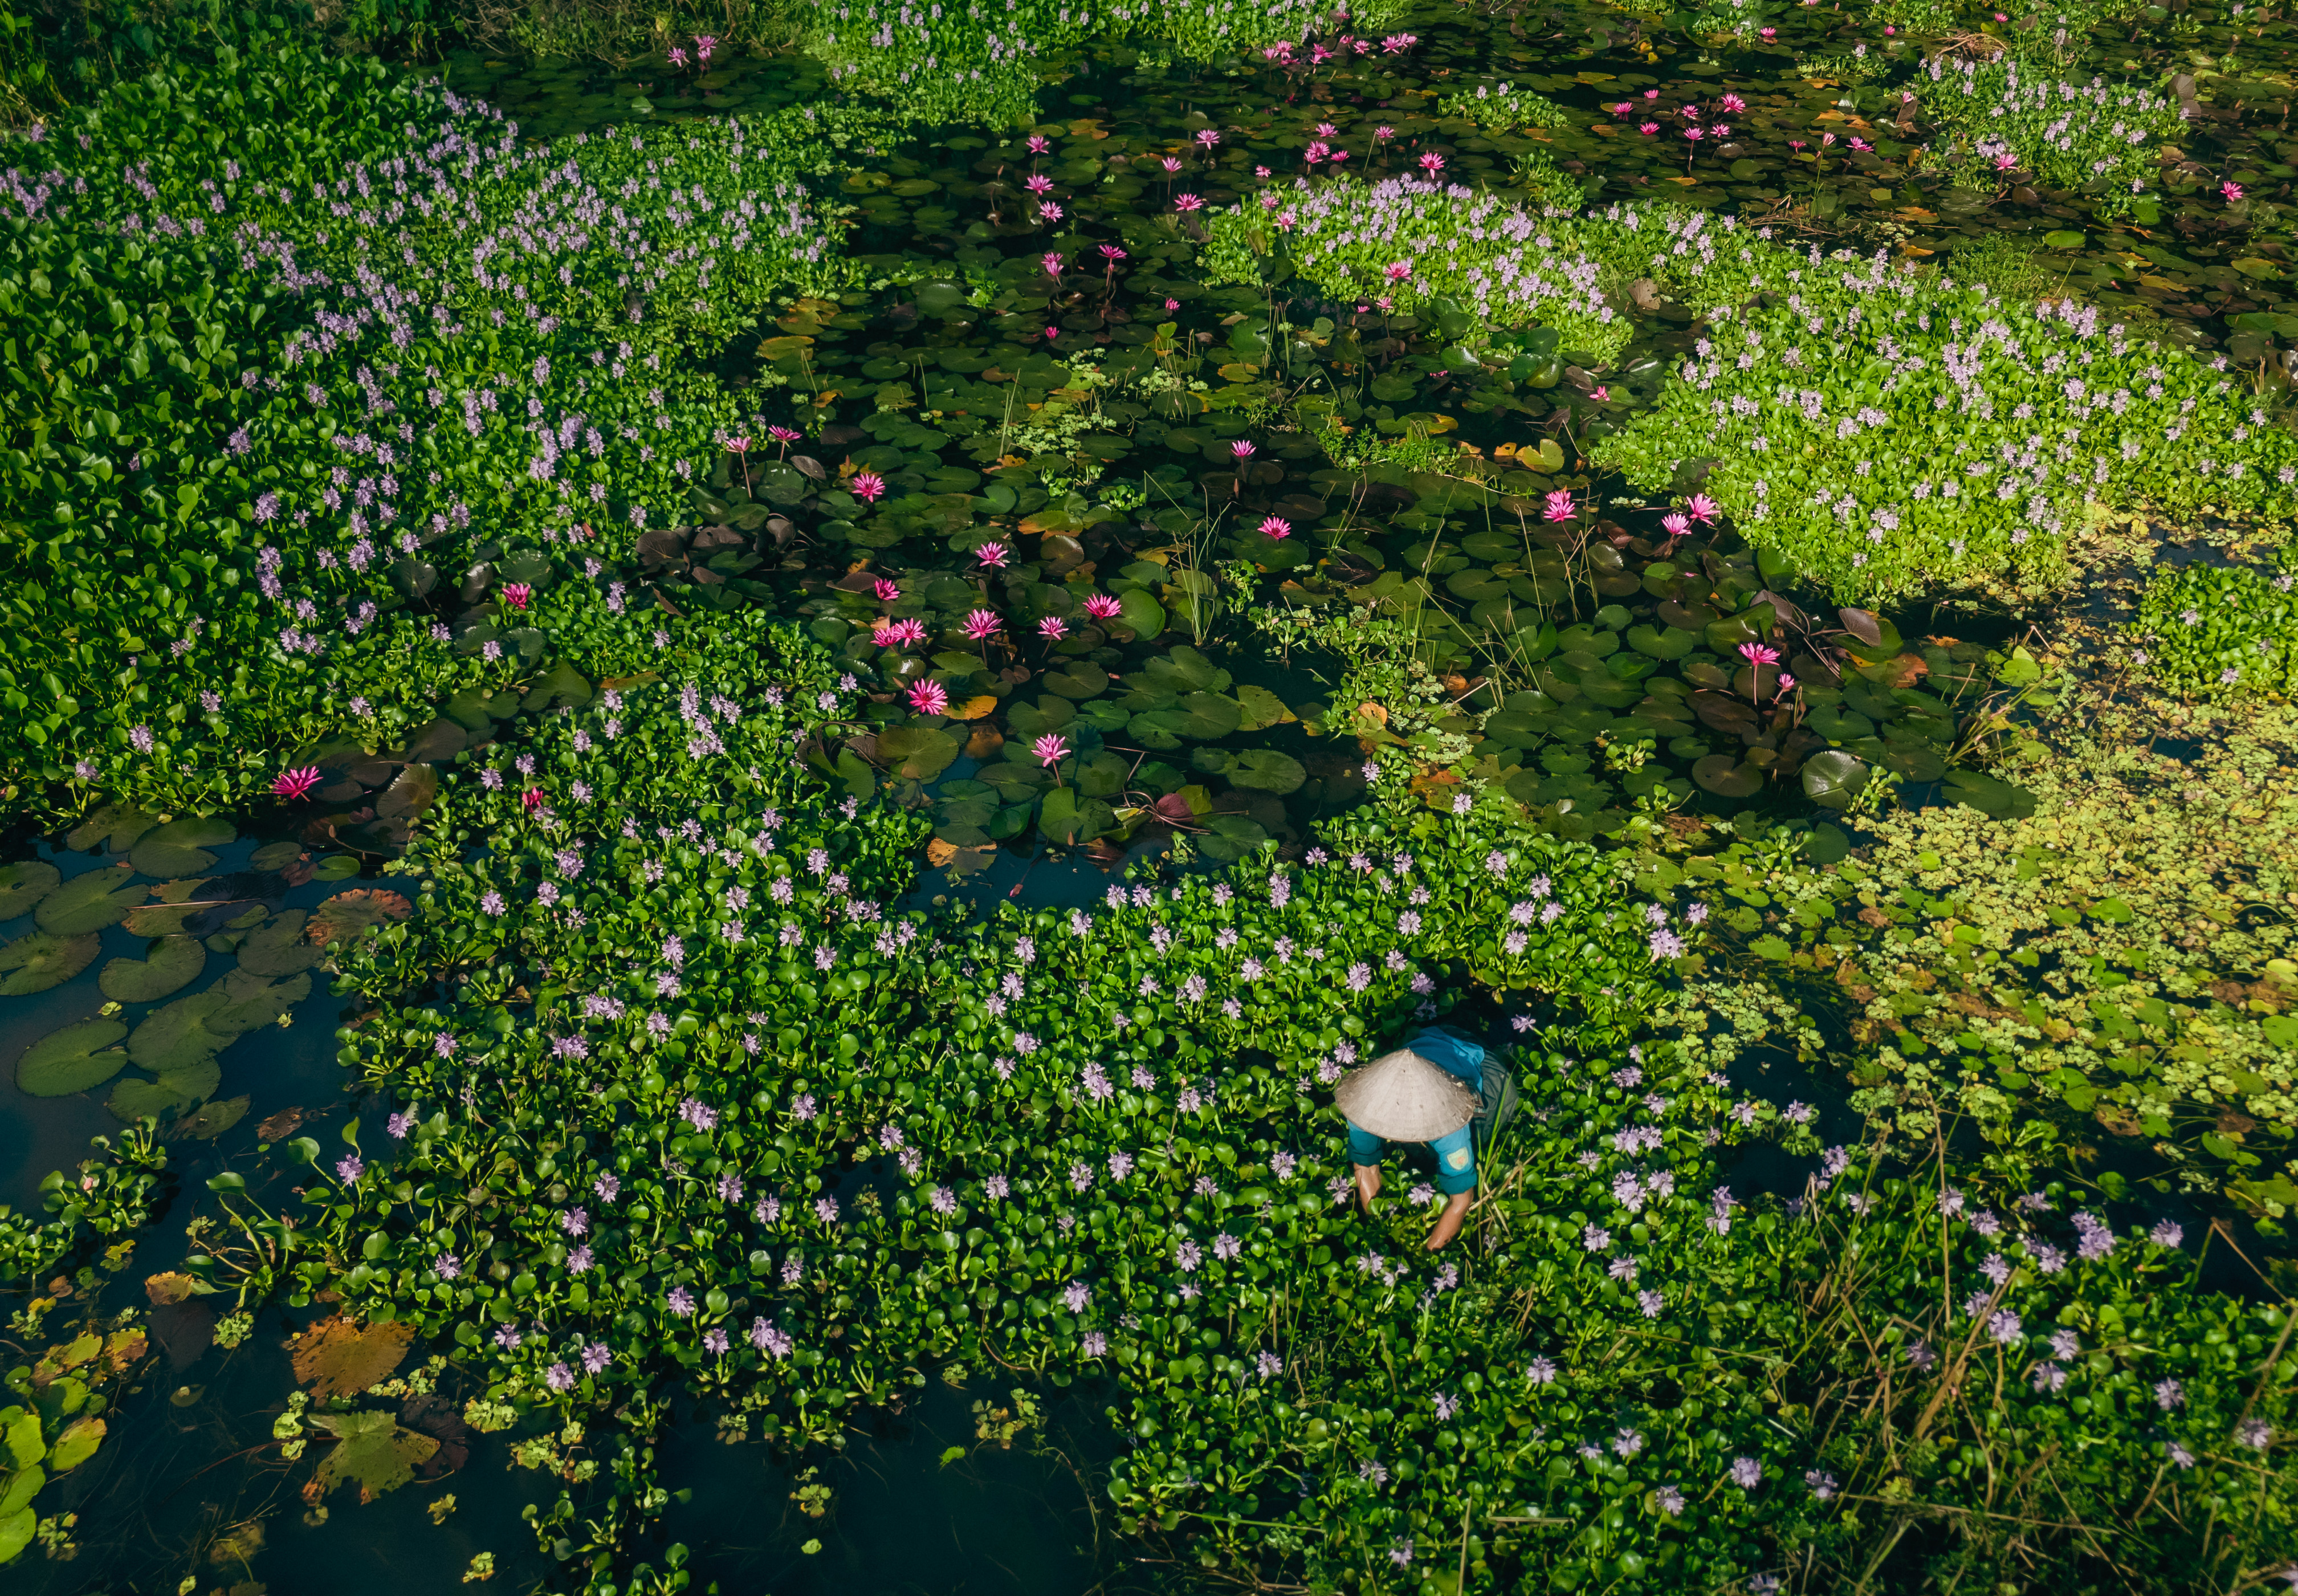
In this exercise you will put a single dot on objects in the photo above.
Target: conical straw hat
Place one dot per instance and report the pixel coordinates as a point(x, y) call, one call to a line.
point(1405, 1098)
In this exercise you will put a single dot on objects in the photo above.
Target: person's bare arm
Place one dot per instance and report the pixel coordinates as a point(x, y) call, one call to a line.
point(1449, 1223)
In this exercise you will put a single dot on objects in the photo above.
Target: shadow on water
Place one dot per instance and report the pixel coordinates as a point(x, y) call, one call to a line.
point(919, 1502)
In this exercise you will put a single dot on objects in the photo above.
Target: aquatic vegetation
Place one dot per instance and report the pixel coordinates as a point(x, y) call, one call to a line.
point(1215, 472)
point(2115, 960)
point(2224, 631)
point(57, 1423)
point(2004, 116)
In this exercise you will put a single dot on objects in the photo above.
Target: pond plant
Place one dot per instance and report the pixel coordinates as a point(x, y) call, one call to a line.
point(637, 583)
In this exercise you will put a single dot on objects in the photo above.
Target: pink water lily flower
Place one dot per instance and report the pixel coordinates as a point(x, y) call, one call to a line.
point(886, 589)
point(1560, 505)
point(1052, 263)
point(1053, 629)
point(1101, 606)
point(784, 434)
point(516, 594)
point(1759, 654)
point(928, 698)
point(1432, 163)
point(1187, 202)
point(868, 486)
point(1676, 523)
point(295, 783)
point(1243, 449)
point(1051, 748)
point(1039, 183)
point(1702, 509)
point(1398, 270)
point(896, 634)
point(1277, 527)
point(981, 624)
point(2233, 191)
point(1037, 145)
point(992, 555)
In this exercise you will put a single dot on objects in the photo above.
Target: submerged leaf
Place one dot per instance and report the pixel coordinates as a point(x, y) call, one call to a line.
point(209, 1120)
point(186, 1031)
point(278, 948)
point(173, 1093)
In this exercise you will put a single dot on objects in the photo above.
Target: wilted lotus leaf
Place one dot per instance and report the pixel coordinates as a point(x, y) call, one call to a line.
point(74, 1059)
point(279, 1127)
point(90, 902)
point(278, 948)
point(174, 1092)
point(39, 961)
point(24, 884)
point(173, 964)
point(209, 1121)
point(348, 913)
point(180, 847)
point(115, 825)
point(337, 1357)
point(186, 1031)
point(373, 1450)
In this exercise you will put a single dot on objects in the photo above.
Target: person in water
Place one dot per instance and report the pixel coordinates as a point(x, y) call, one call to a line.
point(1492, 1090)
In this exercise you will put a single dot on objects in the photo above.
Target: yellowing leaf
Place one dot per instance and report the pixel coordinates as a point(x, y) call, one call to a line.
point(339, 1358)
point(974, 709)
point(372, 1450)
point(76, 1445)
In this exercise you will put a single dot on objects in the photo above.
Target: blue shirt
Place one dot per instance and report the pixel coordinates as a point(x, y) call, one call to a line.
point(1453, 1051)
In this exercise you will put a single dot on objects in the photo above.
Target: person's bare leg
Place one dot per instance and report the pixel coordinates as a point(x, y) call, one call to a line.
point(1448, 1223)
point(1367, 1176)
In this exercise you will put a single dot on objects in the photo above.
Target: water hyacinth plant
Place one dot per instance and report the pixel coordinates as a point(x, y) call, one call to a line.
point(2008, 116)
point(899, 820)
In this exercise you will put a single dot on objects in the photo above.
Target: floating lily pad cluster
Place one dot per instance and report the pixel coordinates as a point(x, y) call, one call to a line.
point(163, 1065)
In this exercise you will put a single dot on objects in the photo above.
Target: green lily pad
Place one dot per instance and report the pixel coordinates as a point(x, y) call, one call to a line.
point(920, 753)
point(1833, 777)
point(278, 948)
point(1050, 713)
point(117, 826)
point(186, 1031)
point(1066, 816)
point(89, 902)
point(24, 884)
point(16, 1527)
point(1726, 777)
point(210, 1120)
point(75, 1059)
point(1140, 612)
point(173, 964)
point(1261, 709)
point(39, 961)
point(1995, 798)
point(336, 867)
point(1231, 838)
point(175, 1092)
point(1082, 680)
point(259, 1000)
point(274, 856)
point(1265, 770)
point(180, 847)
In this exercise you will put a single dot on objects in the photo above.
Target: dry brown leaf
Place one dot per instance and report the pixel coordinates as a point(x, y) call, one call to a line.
point(940, 853)
point(339, 1358)
point(169, 1287)
point(974, 709)
point(280, 1126)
